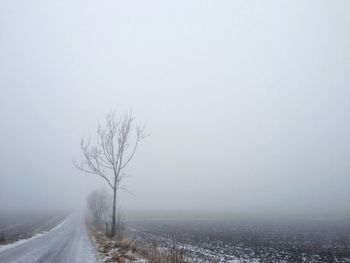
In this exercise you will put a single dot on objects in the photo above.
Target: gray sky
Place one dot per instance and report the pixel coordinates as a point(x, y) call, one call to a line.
point(247, 101)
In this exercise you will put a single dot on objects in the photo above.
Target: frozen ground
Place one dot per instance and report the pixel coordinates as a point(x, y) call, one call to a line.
point(251, 241)
point(16, 225)
point(69, 242)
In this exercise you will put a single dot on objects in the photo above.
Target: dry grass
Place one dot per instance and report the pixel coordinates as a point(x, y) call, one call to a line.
point(110, 250)
point(154, 254)
point(126, 250)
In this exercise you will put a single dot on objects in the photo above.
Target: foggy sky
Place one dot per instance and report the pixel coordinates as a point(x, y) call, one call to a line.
point(247, 102)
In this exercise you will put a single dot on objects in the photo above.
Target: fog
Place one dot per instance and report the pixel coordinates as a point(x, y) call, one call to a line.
point(247, 103)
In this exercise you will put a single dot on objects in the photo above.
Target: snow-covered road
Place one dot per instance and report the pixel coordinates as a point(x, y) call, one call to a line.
point(69, 242)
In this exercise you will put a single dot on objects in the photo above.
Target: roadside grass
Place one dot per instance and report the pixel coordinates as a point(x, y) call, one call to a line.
point(127, 250)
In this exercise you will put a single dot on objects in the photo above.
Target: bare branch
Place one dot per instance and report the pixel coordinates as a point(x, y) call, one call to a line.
point(125, 190)
point(140, 135)
point(88, 164)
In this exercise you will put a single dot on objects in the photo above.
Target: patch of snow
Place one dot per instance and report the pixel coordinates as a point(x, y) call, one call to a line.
point(24, 240)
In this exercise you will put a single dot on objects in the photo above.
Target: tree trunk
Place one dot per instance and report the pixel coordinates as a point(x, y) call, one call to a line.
point(113, 210)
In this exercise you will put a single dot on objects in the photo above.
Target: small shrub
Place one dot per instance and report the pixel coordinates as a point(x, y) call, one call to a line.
point(2, 238)
point(124, 244)
point(155, 255)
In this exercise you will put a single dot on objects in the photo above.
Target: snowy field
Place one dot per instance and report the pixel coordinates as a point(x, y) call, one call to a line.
point(15, 225)
point(251, 241)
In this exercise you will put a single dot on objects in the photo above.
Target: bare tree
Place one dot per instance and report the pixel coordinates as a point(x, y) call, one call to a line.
point(99, 205)
point(108, 157)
